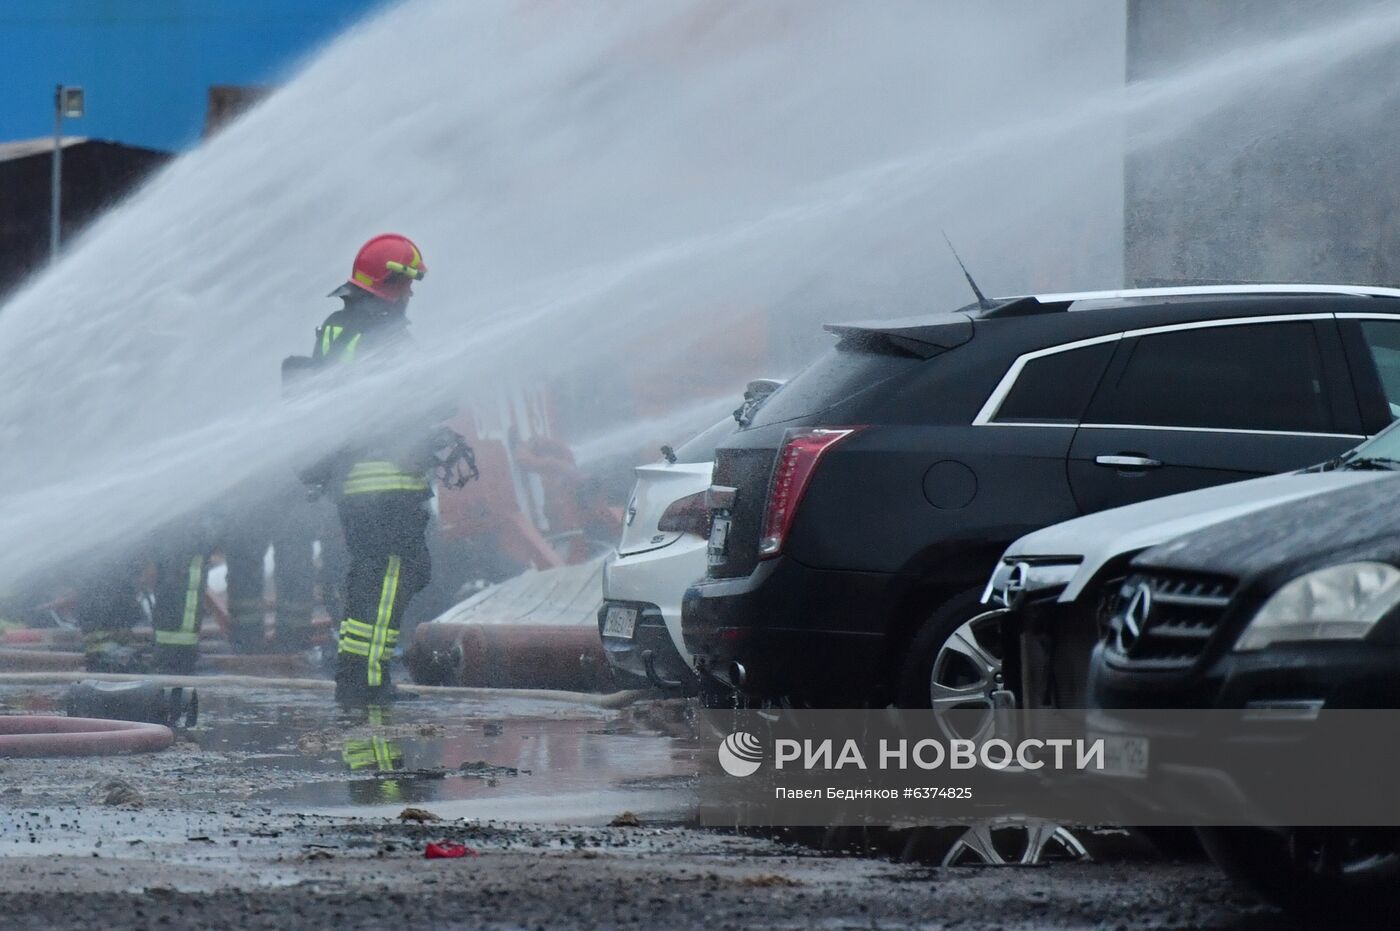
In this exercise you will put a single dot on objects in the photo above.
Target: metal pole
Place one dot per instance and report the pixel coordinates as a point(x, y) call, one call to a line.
point(56, 204)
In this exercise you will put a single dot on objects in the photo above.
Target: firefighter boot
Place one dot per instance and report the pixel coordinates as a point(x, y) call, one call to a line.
point(175, 660)
point(352, 688)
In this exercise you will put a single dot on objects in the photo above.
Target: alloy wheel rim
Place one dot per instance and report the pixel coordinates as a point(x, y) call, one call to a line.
point(1041, 841)
point(966, 671)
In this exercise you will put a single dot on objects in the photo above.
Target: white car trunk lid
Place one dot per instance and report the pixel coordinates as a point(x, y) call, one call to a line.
point(659, 485)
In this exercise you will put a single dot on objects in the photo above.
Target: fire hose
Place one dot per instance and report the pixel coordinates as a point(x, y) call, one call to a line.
point(51, 735)
point(211, 683)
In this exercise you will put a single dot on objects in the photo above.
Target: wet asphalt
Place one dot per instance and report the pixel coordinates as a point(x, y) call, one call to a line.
point(277, 811)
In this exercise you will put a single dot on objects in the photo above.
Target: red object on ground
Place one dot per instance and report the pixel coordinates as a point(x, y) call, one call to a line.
point(447, 850)
point(37, 735)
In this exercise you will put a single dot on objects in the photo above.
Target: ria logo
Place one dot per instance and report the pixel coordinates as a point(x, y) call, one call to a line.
point(741, 754)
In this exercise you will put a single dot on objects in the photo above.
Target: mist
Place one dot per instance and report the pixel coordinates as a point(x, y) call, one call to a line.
point(587, 182)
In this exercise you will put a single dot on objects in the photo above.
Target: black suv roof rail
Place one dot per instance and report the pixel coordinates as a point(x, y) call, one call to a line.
point(1052, 303)
point(1222, 290)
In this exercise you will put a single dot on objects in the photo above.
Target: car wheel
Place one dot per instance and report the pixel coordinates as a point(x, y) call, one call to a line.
point(1174, 843)
point(1317, 870)
point(955, 660)
point(1008, 841)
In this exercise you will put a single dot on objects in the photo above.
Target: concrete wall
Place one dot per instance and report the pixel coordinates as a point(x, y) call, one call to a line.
point(1298, 180)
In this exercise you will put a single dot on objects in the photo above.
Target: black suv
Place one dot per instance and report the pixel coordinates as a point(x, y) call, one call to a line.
point(858, 516)
point(1293, 610)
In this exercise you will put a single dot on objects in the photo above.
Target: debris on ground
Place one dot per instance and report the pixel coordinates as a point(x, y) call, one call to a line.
point(671, 717)
point(419, 815)
point(625, 820)
point(398, 775)
point(448, 850)
point(249, 836)
point(769, 881)
point(119, 792)
point(484, 769)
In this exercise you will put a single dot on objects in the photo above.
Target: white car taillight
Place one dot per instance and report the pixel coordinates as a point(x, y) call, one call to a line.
point(802, 450)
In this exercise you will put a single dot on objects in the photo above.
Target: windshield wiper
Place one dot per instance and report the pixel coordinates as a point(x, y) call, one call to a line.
point(1372, 464)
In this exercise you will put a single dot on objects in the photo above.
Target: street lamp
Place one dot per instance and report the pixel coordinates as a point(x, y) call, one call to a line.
point(67, 101)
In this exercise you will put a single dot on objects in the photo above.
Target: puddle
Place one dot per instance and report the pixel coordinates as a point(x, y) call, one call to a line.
point(511, 759)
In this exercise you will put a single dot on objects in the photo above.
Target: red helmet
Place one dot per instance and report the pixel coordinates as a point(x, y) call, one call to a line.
point(387, 266)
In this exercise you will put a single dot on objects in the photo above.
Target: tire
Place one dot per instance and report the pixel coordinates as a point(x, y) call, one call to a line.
point(1172, 842)
point(1322, 871)
point(941, 649)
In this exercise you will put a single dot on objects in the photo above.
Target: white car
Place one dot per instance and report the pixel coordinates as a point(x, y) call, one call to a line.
point(1054, 590)
point(665, 532)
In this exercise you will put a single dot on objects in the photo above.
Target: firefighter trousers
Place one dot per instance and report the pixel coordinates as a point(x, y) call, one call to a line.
point(179, 605)
point(286, 521)
point(386, 535)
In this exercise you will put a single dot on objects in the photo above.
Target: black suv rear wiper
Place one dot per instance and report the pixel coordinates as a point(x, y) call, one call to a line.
point(1372, 463)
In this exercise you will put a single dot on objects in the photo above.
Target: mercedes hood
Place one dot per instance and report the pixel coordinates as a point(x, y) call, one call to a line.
point(1096, 539)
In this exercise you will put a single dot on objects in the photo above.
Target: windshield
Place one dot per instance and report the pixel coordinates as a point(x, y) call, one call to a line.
point(1381, 451)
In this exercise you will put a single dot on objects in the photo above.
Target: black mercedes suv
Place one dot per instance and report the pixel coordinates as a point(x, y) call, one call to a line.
point(1288, 615)
point(857, 517)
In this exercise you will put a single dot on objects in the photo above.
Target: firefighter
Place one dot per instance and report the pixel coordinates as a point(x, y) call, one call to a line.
point(380, 482)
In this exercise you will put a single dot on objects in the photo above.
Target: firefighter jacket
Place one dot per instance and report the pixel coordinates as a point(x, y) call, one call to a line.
point(366, 330)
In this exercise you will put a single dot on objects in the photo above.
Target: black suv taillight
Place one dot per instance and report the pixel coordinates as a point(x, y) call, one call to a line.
point(687, 515)
point(797, 461)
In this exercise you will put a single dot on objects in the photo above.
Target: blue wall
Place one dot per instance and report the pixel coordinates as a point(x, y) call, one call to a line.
point(147, 64)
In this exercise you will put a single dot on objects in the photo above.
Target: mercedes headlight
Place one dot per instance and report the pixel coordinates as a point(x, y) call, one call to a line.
point(1337, 603)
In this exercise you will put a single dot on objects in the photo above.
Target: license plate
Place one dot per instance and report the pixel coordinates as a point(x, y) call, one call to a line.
point(620, 622)
point(1124, 756)
point(719, 540)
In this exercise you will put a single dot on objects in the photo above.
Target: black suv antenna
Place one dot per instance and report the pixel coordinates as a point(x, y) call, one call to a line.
point(982, 301)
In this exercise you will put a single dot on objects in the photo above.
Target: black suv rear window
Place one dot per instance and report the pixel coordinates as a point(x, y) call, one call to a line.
point(833, 377)
point(1056, 388)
